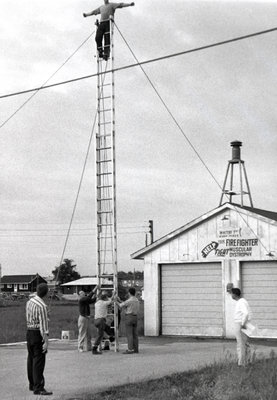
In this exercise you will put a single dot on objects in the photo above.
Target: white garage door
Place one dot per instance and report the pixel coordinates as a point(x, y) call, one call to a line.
point(191, 299)
point(259, 287)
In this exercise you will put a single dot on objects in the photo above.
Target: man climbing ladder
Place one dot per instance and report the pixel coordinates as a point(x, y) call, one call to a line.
point(103, 30)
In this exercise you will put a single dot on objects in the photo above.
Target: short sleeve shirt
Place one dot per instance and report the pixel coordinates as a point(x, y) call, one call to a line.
point(101, 308)
point(131, 306)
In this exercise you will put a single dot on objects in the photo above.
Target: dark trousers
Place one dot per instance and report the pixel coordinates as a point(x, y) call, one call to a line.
point(102, 327)
point(103, 30)
point(131, 324)
point(35, 360)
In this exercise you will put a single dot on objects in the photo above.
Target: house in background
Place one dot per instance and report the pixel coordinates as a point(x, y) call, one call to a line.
point(87, 284)
point(21, 283)
point(71, 289)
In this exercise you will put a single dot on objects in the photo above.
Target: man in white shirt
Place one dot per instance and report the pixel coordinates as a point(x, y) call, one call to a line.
point(241, 317)
point(101, 312)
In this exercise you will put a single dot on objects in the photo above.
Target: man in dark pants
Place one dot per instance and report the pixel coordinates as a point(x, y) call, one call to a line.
point(131, 307)
point(84, 326)
point(103, 30)
point(37, 340)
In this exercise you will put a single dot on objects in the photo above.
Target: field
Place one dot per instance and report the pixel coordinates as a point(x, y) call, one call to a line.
point(63, 317)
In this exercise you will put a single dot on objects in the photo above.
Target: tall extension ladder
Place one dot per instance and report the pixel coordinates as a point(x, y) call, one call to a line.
point(106, 176)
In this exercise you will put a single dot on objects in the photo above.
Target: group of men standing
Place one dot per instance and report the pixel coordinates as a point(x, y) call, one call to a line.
point(102, 304)
point(38, 332)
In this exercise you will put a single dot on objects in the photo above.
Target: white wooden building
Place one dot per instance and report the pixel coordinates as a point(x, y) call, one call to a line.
point(188, 273)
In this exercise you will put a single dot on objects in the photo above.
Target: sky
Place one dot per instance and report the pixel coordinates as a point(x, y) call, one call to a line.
point(217, 95)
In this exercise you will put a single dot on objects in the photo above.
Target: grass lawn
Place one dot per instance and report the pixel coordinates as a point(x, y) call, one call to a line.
point(221, 381)
point(63, 317)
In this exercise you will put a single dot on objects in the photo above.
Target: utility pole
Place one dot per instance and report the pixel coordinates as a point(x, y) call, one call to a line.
point(151, 232)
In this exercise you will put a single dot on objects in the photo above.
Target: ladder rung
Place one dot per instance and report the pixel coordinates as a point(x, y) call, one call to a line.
point(106, 110)
point(104, 173)
point(107, 199)
point(105, 237)
point(104, 148)
point(103, 161)
point(104, 212)
point(103, 136)
point(105, 123)
point(104, 186)
point(110, 263)
point(103, 84)
point(104, 224)
point(106, 250)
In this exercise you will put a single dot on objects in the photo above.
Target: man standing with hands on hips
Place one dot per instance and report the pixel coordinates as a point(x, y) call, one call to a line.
point(37, 340)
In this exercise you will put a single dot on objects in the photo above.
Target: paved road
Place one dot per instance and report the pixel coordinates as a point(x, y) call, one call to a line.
point(69, 374)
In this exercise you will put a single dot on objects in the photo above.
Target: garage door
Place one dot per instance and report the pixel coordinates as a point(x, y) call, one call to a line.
point(259, 287)
point(191, 299)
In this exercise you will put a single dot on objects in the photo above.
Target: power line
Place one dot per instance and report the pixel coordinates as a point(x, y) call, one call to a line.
point(62, 230)
point(43, 85)
point(186, 137)
point(236, 39)
point(64, 235)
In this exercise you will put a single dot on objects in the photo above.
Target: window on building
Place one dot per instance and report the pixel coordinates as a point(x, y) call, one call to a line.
point(9, 286)
point(23, 286)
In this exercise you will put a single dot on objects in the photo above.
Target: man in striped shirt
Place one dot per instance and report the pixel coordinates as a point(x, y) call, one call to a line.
point(37, 340)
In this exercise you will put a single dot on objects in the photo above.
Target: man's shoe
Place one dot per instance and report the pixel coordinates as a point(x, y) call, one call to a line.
point(128, 352)
point(43, 392)
point(95, 351)
point(106, 345)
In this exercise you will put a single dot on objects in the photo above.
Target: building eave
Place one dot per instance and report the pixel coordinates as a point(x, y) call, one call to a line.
point(266, 215)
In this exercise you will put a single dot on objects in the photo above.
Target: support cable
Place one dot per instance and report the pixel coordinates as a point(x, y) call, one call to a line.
point(43, 85)
point(181, 53)
point(186, 137)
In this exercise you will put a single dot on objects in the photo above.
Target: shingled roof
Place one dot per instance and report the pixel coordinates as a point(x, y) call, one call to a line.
point(10, 279)
point(263, 213)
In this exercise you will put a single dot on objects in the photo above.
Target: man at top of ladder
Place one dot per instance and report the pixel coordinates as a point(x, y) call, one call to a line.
point(107, 10)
